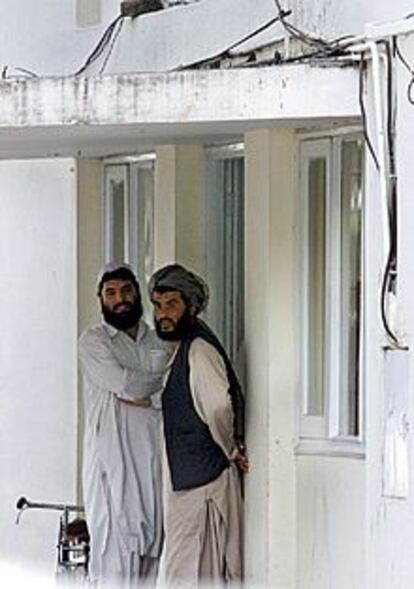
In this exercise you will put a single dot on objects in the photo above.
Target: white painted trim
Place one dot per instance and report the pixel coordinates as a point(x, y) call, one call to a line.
point(120, 172)
point(107, 224)
point(304, 134)
point(130, 159)
point(127, 214)
point(381, 30)
point(330, 447)
point(333, 290)
point(310, 426)
point(231, 150)
point(328, 426)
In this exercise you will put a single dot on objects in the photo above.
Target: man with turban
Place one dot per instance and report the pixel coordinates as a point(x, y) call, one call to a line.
point(123, 363)
point(202, 409)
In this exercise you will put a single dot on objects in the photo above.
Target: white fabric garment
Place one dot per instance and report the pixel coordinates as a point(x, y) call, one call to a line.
point(121, 466)
point(203, 526)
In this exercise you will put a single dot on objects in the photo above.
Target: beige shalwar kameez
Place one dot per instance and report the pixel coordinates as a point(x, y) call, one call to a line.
point(203, 526)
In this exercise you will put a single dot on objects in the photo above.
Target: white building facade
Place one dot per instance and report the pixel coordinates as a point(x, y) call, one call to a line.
point(271, 153)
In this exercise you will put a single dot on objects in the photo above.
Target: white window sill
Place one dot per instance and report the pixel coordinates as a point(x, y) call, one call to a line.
point(352, 448)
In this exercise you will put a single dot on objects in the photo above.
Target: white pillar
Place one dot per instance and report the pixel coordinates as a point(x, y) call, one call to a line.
point(179, 194)
point(271, 315)
point(90, 258)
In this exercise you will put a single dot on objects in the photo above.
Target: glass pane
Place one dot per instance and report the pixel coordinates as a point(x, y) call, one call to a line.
point(228, 257)
point(239, 244)
point(215, 221)
point(316, 286)
point(225, 251)
point(117, 190)
point(233, 254)
point(351, 221)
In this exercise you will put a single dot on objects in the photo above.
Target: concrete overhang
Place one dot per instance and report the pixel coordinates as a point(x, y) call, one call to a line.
point(132, 113)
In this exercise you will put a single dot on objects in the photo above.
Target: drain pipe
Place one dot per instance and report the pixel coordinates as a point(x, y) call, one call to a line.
point(381, 142)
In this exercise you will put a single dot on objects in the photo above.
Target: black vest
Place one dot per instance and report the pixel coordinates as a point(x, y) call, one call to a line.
point(194, 457)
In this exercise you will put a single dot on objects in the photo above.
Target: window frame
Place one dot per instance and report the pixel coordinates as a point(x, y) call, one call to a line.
point(120, 172)
point(322, 434)
point(125, 168)
point(213, 155)
point(85, 17)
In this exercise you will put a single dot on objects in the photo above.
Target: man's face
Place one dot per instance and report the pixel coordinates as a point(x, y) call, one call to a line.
point(120, 303)
point(172, 315)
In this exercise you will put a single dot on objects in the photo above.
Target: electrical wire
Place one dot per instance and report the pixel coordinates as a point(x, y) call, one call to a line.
point(101, 46)
point(326, 47)
point(385, 288)
point(27, 72)
point(391, 130)
point(226, 51)
point(410, 87)
point(111, 48)
point(364, 115)
point(390, 272)
point(172, 3)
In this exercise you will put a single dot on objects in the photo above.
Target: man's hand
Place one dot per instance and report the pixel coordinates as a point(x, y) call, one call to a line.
point(144, 402)
point(240, 458)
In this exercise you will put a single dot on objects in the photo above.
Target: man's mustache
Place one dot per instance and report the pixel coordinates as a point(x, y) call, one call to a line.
point(166, 321)
point(127, 305)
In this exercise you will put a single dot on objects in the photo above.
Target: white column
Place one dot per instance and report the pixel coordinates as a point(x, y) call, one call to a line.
point(90, 258)
point(164, 206)
point(271, 315)
point(179, 194)
point(389, 529)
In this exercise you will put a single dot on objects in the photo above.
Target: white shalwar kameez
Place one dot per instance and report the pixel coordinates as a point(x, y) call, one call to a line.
point(121, 466)
point(203, 526)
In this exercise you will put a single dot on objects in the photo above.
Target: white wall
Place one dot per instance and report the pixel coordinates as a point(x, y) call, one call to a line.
point(390, 520)
point(331, 523)
point(43, 36)
point(332, 18)
point(309, 532)
point(45, 39)
point(37, 354)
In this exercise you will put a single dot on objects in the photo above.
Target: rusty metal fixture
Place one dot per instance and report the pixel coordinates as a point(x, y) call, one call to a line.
point(134, 8)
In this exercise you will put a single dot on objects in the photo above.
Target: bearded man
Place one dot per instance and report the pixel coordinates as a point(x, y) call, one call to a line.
point(202, 409)
point(123, 364)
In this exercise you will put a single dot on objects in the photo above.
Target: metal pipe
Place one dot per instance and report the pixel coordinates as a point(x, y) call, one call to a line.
point(381, 143)
point(23, 503)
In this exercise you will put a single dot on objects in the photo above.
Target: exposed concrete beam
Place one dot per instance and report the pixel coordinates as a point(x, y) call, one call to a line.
point(288, 92)
point(69, 113)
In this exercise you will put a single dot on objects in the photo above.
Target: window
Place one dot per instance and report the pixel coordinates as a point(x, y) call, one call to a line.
point(224, 248)
point(88, 13)
point(129, 216)
point(331, 188)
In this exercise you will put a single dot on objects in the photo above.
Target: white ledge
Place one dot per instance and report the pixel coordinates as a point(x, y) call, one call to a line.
point(170, 106)
point(284, 92)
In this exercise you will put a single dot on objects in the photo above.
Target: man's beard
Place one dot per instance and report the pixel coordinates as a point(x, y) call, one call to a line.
point(125, 319)
point(181, 328)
